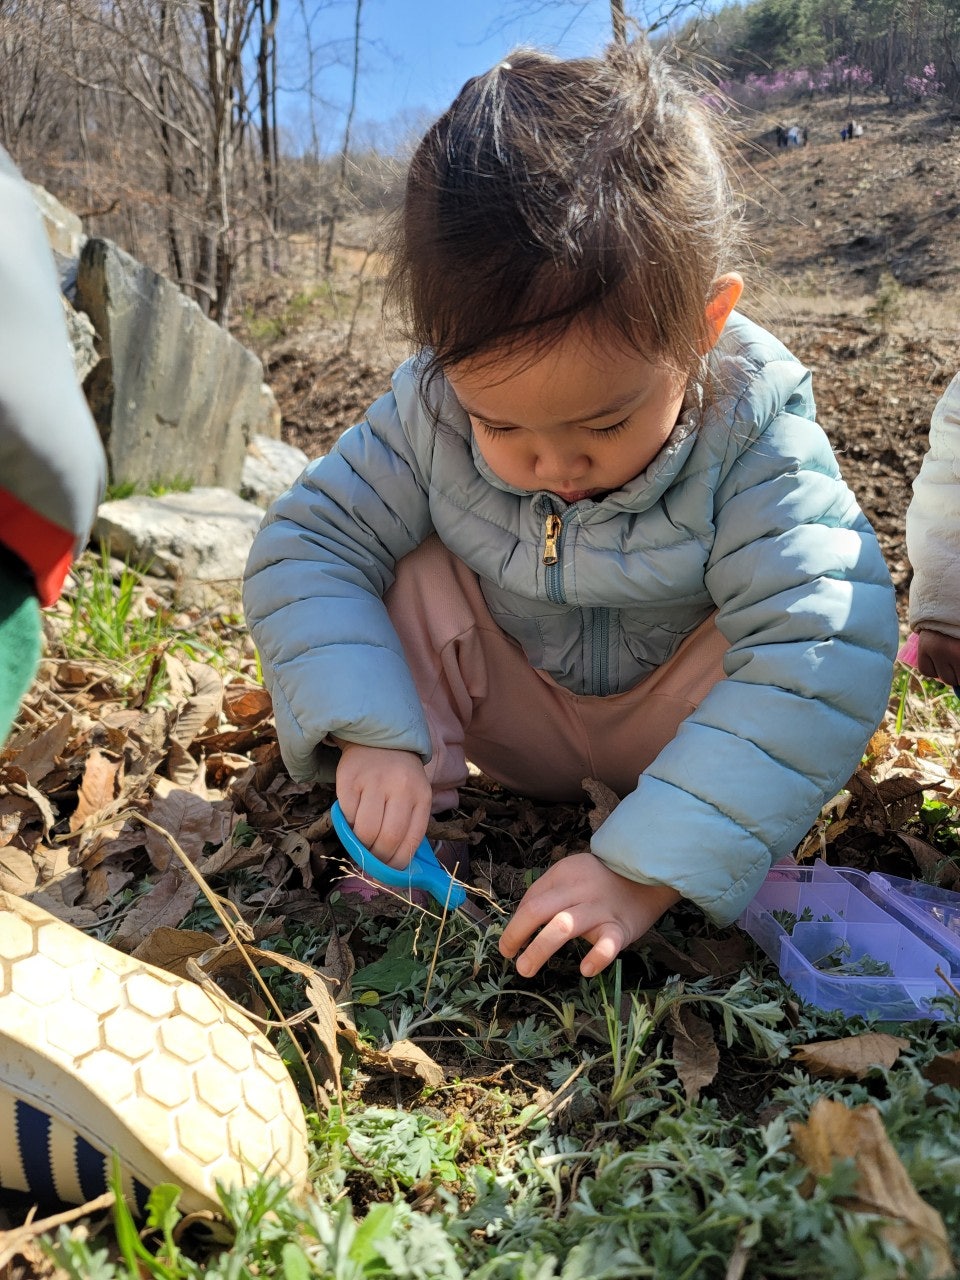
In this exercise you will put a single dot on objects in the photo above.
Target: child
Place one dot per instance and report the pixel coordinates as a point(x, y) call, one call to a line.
point(933, 546)
point(593, 530)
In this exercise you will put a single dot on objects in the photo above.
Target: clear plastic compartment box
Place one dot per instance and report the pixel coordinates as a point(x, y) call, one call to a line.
point(910, 928)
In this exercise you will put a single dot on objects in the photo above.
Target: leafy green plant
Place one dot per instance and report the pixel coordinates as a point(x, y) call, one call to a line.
point(394, 1148)
point(105, 620)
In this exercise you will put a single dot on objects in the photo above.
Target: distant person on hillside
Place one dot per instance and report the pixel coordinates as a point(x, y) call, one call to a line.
point(65, 1103)
point(933, 547)
point(781, 136)
point(592, 531)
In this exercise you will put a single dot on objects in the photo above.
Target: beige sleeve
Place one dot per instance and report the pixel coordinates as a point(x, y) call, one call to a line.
point(933, 524)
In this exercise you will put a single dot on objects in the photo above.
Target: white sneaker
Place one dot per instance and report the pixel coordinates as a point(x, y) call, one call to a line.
point(102, 1053)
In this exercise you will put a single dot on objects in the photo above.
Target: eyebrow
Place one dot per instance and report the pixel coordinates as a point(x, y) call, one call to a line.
point(613, 407)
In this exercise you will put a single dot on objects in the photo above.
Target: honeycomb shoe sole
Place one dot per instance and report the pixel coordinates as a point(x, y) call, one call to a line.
point(100, 1052)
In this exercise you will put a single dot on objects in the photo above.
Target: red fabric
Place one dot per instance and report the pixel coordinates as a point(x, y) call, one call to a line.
point(44, 547)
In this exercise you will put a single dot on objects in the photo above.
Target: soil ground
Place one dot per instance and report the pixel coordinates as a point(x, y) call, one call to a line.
point(855, 265)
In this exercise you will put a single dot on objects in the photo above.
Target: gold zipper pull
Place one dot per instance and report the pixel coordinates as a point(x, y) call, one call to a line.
point(551, 532)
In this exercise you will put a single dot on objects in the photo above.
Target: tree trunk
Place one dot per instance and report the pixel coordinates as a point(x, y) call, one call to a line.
point(337, 206)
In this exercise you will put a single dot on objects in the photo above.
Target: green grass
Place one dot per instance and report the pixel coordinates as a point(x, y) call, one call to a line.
point(116, 621)
point(155, 489)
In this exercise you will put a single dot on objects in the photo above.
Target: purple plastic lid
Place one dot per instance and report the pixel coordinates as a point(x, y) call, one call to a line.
point(840, 944)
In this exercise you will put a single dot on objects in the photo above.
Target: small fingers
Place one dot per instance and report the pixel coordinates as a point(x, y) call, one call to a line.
point(606, 949)
point(558, 931)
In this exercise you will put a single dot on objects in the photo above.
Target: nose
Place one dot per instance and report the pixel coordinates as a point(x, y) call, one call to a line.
point(556, 465)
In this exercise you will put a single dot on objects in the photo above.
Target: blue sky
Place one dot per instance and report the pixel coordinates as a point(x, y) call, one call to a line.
point(415, 54)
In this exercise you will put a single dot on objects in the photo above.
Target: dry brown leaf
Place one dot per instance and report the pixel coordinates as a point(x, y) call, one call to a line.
point(695, 1051)
point(170, 948)
point(835, 1132)
point(721, 957)
point(230, 857)
point(179, 684)
point(189, 819)
point(77, 675)
point(330, 1021)
point(97, 790)
point(221, 766)
point(52, 900)
point(932, 861)
point(944, 1069)
point(37, 751)
point(39, 800)
point(18, 871)
point(852, 1057)
point(12, 816)
point(246, 704)
point(297, 850)
point(181, 768)
point(880, 743)
point(201, 712)
point(404, 1058)
point(892, 801)
point(167, 903)
point(338, 961)
point(604, 800)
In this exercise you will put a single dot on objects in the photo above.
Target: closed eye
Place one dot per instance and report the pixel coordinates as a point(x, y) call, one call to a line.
point(495, 433)
point(610, 431)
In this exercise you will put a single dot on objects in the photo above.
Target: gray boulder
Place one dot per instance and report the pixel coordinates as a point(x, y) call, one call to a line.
point(270, 467)
point(65, 233)
point(174, 395)
point(83, 340)
point(204, 535)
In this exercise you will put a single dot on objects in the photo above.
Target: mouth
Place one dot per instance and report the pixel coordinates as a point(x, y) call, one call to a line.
point(577, 495)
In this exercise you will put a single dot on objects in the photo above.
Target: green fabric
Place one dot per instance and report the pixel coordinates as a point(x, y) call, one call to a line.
point(19, 642)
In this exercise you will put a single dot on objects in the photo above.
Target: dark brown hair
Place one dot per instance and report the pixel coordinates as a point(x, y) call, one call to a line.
point(554, 190)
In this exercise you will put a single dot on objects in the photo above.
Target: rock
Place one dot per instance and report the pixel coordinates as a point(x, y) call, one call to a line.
point(174, 395)
point(203, 535)
point(270, 467)
point(83, 340)
point(271, 418)
point(65, 234)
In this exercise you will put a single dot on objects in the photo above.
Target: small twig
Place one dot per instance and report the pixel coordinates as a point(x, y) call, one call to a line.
point(737, 1265)
point(943, 977)
point(543, 1108)
point(12, 1242)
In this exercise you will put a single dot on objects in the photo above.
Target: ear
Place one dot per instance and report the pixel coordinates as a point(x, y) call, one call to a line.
point(726, 294)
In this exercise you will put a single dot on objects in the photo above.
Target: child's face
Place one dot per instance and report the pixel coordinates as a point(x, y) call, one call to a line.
point(577, 420)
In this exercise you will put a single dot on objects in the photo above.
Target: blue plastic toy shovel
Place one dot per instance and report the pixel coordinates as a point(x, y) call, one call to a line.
point(422, 872)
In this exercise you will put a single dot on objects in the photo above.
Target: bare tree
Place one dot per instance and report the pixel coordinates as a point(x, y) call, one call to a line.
point(337, 207)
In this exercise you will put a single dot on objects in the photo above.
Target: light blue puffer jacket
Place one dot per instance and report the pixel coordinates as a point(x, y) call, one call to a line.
point(745, 514)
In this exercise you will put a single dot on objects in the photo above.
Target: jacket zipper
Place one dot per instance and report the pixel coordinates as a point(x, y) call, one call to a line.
point(599, 622)
point(552, 543)
point(599, 643)
point(553, 527)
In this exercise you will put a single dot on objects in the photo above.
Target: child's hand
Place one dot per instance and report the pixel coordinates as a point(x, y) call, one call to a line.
point(385, 796)
point(939, 656)
point(580, 897)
